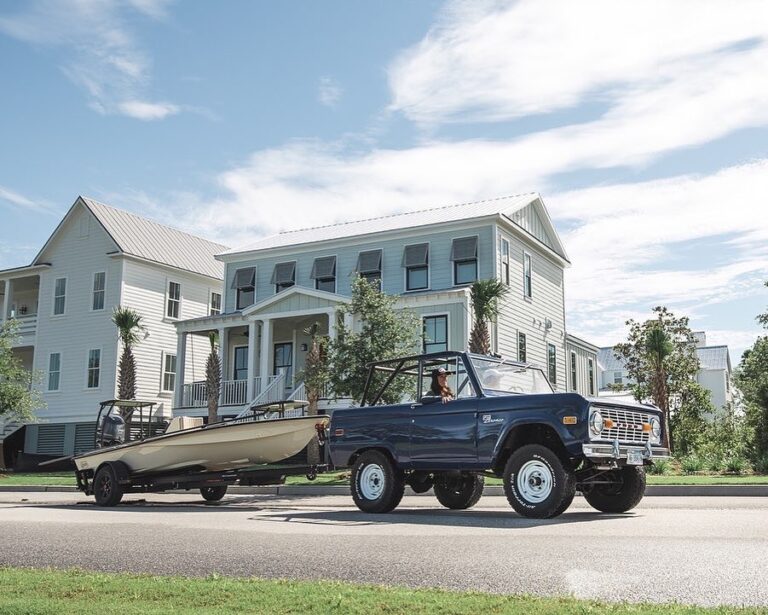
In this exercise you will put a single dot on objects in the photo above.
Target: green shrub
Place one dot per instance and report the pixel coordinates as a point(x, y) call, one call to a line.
point(660, 467)
point(761, 465)
point(714, 462)
point(691, 464)
point(736, 464)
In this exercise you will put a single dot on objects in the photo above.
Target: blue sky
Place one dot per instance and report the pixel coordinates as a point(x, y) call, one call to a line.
point(643, 125)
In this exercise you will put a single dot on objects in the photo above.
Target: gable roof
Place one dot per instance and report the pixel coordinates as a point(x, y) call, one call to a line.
point(505, 206)
point(151, 241)
point(714, 357)
point(608, 361)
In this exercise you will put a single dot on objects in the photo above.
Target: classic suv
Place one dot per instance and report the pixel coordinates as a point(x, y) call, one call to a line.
point(505, 421)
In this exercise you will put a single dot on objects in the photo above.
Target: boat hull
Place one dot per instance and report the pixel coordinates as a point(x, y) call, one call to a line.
point(217, 447)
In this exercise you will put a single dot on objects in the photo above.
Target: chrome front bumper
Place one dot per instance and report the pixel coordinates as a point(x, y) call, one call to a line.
point(614, 450)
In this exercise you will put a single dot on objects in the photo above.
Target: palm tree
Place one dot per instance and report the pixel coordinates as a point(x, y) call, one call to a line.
point(316, 376)
point(129, 328)
point(213, 380)
point(658, 346)
point(485, 295)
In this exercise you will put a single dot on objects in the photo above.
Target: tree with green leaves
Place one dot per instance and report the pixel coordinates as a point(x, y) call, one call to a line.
point(383, 333)
point(213, 379)
point(18, 399)
point(485, 296)
point(660, 356)
point(752, 381)
point(129, 330)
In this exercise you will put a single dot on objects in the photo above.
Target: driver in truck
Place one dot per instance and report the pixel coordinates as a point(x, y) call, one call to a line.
point(439, 386)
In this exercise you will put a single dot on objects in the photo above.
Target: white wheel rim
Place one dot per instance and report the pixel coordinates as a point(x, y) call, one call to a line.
point(371, 481)
point(534, 481)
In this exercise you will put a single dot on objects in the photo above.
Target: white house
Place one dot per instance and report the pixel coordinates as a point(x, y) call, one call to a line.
point(714, 373)
point(279, 285)
point(99, 257)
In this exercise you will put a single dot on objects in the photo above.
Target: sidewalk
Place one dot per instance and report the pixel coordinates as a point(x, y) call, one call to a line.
point(309, 490)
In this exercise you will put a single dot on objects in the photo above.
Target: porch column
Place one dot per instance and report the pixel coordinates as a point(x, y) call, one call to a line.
point(223, 355)
point(7, 298)
point(250, 389)
point(266, 344)
point(181, 352)
point(332, 324)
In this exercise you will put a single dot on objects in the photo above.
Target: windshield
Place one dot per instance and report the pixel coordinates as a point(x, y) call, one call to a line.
point(503, 377)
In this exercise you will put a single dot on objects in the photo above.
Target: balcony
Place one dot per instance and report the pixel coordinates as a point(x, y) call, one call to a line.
point(233, 392)
point(26, 331)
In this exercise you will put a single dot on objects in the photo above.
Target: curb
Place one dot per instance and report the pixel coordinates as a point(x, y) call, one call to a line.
point(494, 490)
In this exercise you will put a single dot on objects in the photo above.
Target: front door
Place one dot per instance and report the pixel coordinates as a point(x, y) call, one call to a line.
point(283, 362)
point(240, 370)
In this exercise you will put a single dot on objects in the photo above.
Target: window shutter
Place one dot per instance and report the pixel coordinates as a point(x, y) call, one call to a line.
point(464, 249)
point(369, 262)
point(244, 278)
point(324, 267)
point(416, 255)
point(283, 273)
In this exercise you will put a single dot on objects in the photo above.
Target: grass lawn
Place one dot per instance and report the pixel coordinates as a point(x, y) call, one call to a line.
point(52, 592)
point(342, 478)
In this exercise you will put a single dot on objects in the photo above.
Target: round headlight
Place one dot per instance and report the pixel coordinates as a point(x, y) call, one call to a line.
point(655, 429)
point(596, 422)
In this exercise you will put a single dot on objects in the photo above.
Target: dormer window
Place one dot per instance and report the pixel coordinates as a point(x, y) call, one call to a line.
point(284, 276)
point(369, 266)
point(464, 257)
point(324, 274)
point(416, 264)
point(244, 283)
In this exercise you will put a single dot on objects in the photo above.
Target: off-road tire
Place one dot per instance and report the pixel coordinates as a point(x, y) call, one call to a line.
point(377, 485)
point(213, 494)
point(537, 483)
point(419, 482)
point(106, 488)
point(459, 492)
point(621, 496)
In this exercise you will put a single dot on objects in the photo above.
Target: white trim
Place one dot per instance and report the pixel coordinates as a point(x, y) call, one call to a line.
point(506, 280)
point(438, 297)
point(477, 261)
point(525, 290)
point(447, 329)
point(295, 289)
point(163, 355)
point(212, 292)
point(405, 269)
point(93, 292)
point(48, 373)
point(170, 268)
point(166, 316)
point(87, 368)
point(53, 295)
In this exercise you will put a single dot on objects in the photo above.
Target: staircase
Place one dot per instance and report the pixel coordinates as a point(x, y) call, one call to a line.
point(273, 393)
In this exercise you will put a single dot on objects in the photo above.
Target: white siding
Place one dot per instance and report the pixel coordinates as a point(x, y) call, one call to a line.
point(518, 314)
point(583, 357)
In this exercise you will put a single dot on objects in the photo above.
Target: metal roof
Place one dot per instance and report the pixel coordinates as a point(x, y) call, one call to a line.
point(714, 357)
point(155, 242)
point(411, 219)
point(607, 360)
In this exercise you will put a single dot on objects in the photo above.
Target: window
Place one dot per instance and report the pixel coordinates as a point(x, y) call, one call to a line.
point(215, 303)
point(369, 266)
point(552, 363)
point(416, 263)
point(94, 368)
point(505, 261)
point(435, 333)
point(174, 300)
point(244, 282)
point(527, 277)
point(169, 372)
point(573, 371)
point(617, 379)
point(284, 276)
point(59, 296)
point(283, 361)
point(591, 366)
point(464, 257)
point(522, 350)
point(54, 371)
point(241, 363)
point(99, 284)
point(324, 273)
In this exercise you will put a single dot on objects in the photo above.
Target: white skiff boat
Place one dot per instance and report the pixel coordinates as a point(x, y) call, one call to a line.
point(221, 446)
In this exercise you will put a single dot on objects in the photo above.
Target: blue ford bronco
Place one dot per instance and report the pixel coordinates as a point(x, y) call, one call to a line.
point(503, 420)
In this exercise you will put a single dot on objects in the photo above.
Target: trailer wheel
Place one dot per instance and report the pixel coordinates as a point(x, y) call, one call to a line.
point(106, 488)
point(213, 494)
point(377, 485)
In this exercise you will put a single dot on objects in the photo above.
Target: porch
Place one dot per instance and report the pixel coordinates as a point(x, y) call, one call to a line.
point(19, 298)
point(262, 351)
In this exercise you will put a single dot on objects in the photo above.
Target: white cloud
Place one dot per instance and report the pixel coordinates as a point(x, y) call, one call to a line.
point(492, 60)
point(21, 201)
point(148, 111)
point(98, 51)
point(329, 93)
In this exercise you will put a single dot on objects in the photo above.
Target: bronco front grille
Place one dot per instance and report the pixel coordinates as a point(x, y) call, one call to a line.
point(628, 425)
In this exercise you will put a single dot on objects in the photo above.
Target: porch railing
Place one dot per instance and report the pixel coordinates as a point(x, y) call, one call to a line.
point(272, 393)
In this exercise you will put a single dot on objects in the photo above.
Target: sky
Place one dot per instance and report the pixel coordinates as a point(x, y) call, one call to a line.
point(643, 125)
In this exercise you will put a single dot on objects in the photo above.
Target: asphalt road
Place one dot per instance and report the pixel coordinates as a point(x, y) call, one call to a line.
point(706, 551)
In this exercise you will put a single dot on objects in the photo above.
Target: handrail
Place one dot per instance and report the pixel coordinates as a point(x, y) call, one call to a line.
point(266, 396)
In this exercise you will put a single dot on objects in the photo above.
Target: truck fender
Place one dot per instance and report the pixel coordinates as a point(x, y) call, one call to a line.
point(524, 432)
